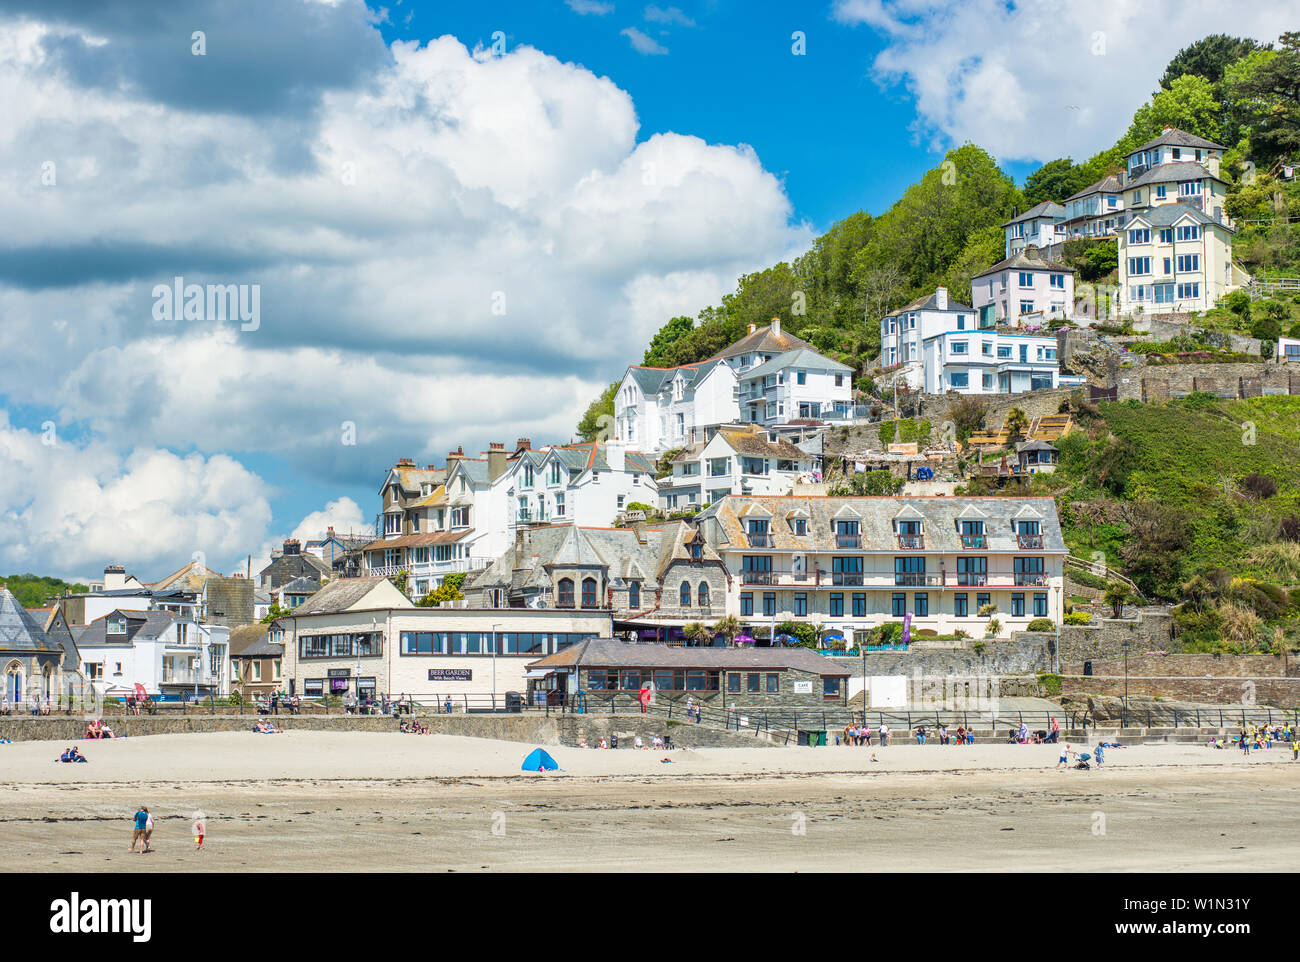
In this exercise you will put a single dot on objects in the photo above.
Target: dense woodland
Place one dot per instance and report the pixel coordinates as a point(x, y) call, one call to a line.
point(946, 228)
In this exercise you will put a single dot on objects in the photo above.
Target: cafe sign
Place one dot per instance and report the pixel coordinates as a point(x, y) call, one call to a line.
point(340, 672)
point(451, 674)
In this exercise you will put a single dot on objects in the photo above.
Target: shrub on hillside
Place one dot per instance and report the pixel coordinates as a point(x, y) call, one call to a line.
point(1078, 618)
point(1041, 624)
point(1259, 486)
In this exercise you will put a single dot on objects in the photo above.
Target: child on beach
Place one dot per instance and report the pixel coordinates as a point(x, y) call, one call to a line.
point(199, 831)
point(1097, 753)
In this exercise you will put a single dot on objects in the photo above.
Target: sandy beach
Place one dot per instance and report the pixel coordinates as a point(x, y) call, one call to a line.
point(354, 801)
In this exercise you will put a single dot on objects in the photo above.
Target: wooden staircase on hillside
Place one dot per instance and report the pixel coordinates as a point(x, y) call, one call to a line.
point(1051, 427)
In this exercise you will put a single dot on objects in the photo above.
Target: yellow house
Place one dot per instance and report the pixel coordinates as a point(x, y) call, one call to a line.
point(1174, 258)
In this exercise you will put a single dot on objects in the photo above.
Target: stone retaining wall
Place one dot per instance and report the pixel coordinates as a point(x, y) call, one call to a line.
point(1102, 639)
point(1270, 691)
point(1202, 665)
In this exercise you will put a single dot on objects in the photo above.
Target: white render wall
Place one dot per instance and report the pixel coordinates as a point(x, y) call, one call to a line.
point(1004, 290)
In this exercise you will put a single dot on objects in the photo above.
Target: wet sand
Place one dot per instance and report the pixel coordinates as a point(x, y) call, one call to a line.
point(352, 801)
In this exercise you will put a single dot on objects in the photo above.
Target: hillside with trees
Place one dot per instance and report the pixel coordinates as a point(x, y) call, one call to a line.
point(947, 227)
point(32, 590)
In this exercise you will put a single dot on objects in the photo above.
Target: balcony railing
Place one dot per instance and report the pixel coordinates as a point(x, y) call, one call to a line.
point(848, 541)
point(790, 578)
point(972, 579)
point(182, 676)
point(760, 577)
point(915, 579)
point(1030, 541)
point(759, 540)
point(911, 542)
point(884, 580)
point(846, 579)
point(974, 541)
point(1037, 579)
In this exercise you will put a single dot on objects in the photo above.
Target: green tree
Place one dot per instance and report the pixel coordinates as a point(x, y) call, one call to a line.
point(1208, 58)
point(1188, 103)
point(400, 580)
point(589, 428)
point(696, 633)
point(1267, 83)
point(730, 626)
point(1017, 424)
point(656, 354)
point(275, 611)
point(1117, 595)
point(449, 590)
point(1099, 260)
point(1054, 181)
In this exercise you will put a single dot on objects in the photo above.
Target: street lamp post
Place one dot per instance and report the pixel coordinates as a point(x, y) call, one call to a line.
point(496, 643)
point(1124, 646)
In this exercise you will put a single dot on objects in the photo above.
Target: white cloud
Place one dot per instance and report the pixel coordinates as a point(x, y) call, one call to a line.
point(67, 508)
point(450, 182)
point(643, 42)
point(585, 7)
point(654, 14)
point(1005, 75)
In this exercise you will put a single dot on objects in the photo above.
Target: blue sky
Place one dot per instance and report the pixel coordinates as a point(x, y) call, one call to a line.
point(389, 182)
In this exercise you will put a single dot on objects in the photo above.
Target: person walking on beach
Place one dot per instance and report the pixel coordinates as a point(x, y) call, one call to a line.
point(138, 831)
point(1245, 743)
point(199, 831)
point(1097, 753)
point(884, 734)
point(1065, 757)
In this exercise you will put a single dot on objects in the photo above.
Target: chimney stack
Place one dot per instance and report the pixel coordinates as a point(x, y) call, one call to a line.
point(498, 460)
point(752, 328)
point(292, 546)
point(941, 298)
point(456, 455)
point(114, 577)
point(405, 463)
point(776, 326)
point(524, 444)
point(614, 455)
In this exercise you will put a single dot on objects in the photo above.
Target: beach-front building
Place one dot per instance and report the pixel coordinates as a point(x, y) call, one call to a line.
point(1175, 258)
point(32, 661)
point(601, 672)
point(854, 563)
point(1026, 289)
point(739, 459)
point(362, 637)
point(256, 662)
point(652, 579)
point(172, 657)
point(1040, 226)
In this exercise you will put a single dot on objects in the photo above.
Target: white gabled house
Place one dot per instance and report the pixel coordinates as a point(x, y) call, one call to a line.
point(1025, 289)
point(904, 332)
point(1175, 258)
point(1040, 226)
point(170, 656)
point(585, 484)
point(656, 409)
point(799, 384)
point(738, 459)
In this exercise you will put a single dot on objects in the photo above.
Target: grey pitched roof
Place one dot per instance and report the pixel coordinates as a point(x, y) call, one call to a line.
point(1045, 209)
point(142, 625)
point(1166, 215)
point(1177, 138)
point(251, 641)
point(652, 380)
point(1024, 261)
point(931, 304)
point(337, 596)
point(803, 357)
point(1034, 445)
point(300, 586)
point(764, 340)
point(876, 516)
point(1177, 171)
point(610, 653)
point(19, 631)
point(1108, 185)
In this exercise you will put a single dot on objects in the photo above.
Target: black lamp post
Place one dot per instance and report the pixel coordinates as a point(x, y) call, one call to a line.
point(1124, 646)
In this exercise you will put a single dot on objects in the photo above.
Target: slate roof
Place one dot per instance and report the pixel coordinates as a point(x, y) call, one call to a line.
point(747, 440)
point(763, 341)
point(940, 517)
point(1177, 171)
point(1024, 261)
point(1107, 185)
point(337, 596)
point(652, 380)
point(19, 632)
point(251, 641)
point(803, 357)
point(615, 550)
point(931, 304)
point(189, 578)
point(1045, 209)
point(1166, 215)
point(142, 625)
point(1174, 137)
point(300, 586)
point(610, 653)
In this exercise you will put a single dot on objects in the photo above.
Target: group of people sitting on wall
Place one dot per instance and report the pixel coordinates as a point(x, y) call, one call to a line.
point(97, 729)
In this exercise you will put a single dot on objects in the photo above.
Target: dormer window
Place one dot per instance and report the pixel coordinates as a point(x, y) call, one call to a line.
point(116, 626)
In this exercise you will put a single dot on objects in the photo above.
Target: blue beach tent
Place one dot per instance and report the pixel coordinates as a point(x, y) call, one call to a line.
point(539, 761)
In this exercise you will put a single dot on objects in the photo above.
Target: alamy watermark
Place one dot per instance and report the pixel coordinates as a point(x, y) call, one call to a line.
point(208, 302)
